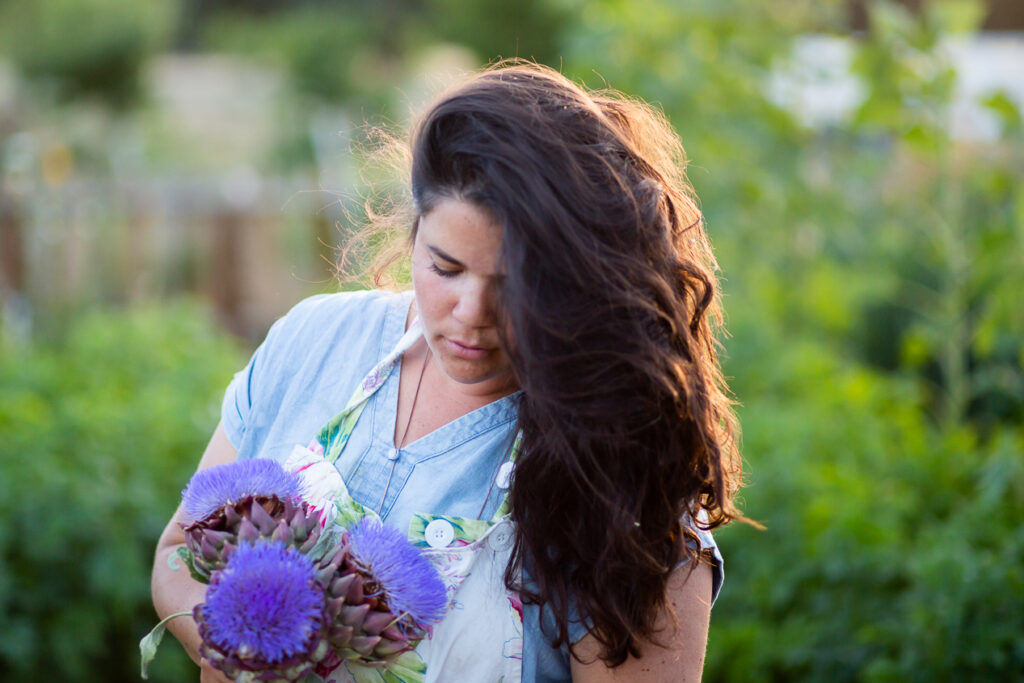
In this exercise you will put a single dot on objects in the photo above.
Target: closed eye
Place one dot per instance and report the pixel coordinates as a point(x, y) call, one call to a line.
point(442, 272)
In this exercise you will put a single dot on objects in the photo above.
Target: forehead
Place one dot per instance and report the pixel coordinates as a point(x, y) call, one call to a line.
point(461, 231)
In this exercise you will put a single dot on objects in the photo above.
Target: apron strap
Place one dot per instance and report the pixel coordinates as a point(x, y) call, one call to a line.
point(334, 435)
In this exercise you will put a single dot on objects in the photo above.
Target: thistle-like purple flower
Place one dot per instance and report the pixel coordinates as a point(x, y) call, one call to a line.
point(211, 489)
point(265, 605)
point(410, 584)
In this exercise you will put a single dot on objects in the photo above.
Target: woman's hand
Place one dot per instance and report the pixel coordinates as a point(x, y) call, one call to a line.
point(679, 655)
point(174, 590)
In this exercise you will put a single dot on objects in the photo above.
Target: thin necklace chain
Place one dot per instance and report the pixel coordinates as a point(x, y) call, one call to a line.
point(405, 432)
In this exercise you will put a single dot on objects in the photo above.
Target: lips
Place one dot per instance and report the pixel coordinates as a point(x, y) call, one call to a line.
point(467, 345)
point(466, 351)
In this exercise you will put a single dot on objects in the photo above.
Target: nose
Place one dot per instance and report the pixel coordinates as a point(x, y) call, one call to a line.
point(475, 305)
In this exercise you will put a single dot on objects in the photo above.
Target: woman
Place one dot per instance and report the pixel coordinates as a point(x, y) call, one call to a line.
point(565, 292)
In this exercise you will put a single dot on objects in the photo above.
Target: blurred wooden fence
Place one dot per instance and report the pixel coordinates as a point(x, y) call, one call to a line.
point(251, 247)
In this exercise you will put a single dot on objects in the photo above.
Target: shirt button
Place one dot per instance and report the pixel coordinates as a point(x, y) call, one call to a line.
point(439, 533)
point(392, 454)
point(504, 478)
point(501, 538)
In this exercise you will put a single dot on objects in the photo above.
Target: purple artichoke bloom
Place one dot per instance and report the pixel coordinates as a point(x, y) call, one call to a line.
point(265, 604)
point(410, 584)
point(211, 489)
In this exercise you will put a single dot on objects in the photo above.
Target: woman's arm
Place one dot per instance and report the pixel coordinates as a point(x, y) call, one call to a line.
point(679, 657)
point(174, 590)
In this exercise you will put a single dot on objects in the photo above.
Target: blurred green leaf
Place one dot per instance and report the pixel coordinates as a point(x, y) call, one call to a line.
point(100, 431)
point(90, 47)
point(957, 16)
point(1009, 114)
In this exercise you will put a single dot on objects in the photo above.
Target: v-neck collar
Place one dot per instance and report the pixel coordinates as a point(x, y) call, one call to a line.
point(384, 405)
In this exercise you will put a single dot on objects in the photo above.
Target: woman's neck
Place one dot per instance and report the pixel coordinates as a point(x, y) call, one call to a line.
point(440, 399)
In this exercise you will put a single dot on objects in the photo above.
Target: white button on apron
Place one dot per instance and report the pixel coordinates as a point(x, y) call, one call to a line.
point(439, 533)
point(500, 537)
point(504, 478)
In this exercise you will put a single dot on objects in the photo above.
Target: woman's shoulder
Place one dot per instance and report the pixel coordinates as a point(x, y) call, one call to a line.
point(324, 317)
point(329, 306)
point(321, 347)
point(344, 329)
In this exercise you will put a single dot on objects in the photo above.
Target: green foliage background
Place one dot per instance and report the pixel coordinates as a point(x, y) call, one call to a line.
point(871, 271)
point(872, 277)
point(98, 433)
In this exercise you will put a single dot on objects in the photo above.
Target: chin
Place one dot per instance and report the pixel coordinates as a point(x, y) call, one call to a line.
point(463, 372)
point(464, 375)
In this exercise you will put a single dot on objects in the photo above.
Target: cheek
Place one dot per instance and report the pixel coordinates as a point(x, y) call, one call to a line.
point(433, 297)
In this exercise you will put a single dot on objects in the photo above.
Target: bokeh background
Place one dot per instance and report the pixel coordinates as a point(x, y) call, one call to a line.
point(177, 173)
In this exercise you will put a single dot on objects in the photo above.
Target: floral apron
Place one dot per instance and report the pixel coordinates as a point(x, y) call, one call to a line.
point(481, 636)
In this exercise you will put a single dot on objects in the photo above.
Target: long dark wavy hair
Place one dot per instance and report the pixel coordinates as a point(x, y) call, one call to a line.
point(610, 308)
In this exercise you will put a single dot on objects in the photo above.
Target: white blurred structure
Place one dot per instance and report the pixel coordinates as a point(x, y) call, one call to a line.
point(816, 83)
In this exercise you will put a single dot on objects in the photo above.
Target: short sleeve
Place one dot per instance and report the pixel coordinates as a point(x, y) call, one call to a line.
point(709, 548)
point(234, 410)
point(243, 391)
point(237, 404)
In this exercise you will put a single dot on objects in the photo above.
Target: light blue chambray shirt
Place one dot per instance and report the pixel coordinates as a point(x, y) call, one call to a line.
point(303, 375)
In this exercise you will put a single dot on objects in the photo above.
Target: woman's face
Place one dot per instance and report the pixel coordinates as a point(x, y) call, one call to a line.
point(455, 272)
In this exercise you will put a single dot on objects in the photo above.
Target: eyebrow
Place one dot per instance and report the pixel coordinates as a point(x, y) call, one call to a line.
point(438, 252)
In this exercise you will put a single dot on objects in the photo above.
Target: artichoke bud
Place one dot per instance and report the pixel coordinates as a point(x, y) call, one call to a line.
point(217, 538)
point(249, 660)
point(247, 531)
point(339, 586)
point(354, 615)
point(329, 566)
point(323, 576)
point(250, 520)
point(231, 516)
point(364, 644)
point(307, 546)
point(375, 622)
point(207, 550)
point(282, 533)
point(336, 559)
point(391, 646)
point(355, 590)
point(339, 636)
point(333, 608)
point(297, 526)
point(262, 519)
point(295, 514)
point(392, 633)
